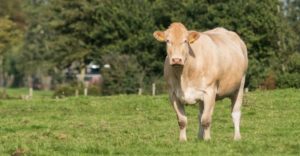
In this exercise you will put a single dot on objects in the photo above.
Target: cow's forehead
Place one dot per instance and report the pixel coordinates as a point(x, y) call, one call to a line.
point(177, 32)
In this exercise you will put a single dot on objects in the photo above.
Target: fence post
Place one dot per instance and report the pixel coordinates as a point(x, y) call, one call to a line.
point(30, 92)
point(140, 91)
point(153, 89)
point(30, 84)
point(86, 86)
point(76, 92)
point(85, 91)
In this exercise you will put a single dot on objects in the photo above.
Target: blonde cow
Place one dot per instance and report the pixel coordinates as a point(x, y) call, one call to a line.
point(202, 67)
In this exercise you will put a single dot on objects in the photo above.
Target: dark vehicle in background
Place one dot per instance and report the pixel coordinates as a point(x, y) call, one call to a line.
point(92, 75)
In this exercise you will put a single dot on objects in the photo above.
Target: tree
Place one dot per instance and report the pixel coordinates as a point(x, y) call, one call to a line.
point(126, 27)
point(63, 32)
point(124, 74)
point(290, 58)
point(10, 35)
point(35, 49)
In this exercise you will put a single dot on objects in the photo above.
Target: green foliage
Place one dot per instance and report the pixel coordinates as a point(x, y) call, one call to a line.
point(71, 23)
point(9, 34)
point(124, 75)
point(126, 27)
point(294, 63)
point(160, 87)
point(293, 14)
point(64, 91)
point(287, 80)
point(261, 25)
point(61, 33)
point(146, 125)
point(36, 49)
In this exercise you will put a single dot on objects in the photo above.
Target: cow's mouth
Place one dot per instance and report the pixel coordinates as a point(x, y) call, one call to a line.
point(177, 65)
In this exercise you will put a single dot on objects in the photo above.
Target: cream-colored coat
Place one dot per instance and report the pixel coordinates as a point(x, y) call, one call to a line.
point(202, 67)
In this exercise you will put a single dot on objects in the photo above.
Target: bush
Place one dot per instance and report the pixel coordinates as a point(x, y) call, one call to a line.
point(291, 76)
point(3, 95)
point(269, 82)
point(287, 80)
point(70, 89)
point(160, 85)
point(124, 76)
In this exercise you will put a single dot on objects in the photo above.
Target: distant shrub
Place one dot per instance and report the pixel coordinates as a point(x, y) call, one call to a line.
point(287, 80)
point(94, 90)
point(294, 63)
point(291, 76)
point(160, 85)
point(269, 82)
point(124, 76)
point(3, 95)
point(70, 90)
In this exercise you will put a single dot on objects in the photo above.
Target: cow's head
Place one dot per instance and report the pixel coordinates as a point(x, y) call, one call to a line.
point(178, 39)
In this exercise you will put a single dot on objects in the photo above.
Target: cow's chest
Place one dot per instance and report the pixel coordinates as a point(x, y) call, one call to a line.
point(189, 95)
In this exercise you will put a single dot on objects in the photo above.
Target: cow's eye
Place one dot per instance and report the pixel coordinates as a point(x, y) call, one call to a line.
point(185, 41)
point(168, 41)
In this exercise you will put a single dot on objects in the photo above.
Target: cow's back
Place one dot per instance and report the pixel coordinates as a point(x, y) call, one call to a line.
point(224, 37)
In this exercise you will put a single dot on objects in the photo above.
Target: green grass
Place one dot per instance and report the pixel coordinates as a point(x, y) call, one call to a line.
point(145, 125)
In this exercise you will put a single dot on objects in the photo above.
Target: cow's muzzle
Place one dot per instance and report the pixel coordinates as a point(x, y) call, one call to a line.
point(176, 61)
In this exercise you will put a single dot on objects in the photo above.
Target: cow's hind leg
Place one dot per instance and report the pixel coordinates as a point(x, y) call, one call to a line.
point(236, 103)
point(182, 119)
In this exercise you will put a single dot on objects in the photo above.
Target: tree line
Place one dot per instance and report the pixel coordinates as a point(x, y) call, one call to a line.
point(41, 38)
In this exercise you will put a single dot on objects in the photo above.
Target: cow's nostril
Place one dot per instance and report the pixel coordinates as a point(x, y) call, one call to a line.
point(176, 60)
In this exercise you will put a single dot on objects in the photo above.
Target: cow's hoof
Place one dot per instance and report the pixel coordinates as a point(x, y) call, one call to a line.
point(237, 138)
point(206, 138)
point(182, 139)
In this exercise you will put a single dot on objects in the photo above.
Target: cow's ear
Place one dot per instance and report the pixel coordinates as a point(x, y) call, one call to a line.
point(193, 36)
point(159, 35)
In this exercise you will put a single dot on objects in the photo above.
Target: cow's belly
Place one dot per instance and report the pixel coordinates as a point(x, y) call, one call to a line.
point(229, 86)
point(190, 95)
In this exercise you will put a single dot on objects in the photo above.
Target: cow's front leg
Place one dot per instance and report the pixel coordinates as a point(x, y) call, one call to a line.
point(208, 108)
point(182, 119)
point(201, 130)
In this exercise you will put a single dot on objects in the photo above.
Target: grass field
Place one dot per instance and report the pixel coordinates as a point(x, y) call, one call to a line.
point(145, 125)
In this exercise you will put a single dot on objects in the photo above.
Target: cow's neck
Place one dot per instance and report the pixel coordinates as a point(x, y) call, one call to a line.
point(177, 71)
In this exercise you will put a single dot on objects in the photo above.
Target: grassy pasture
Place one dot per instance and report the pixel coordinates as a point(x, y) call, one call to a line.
point(145, 125)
